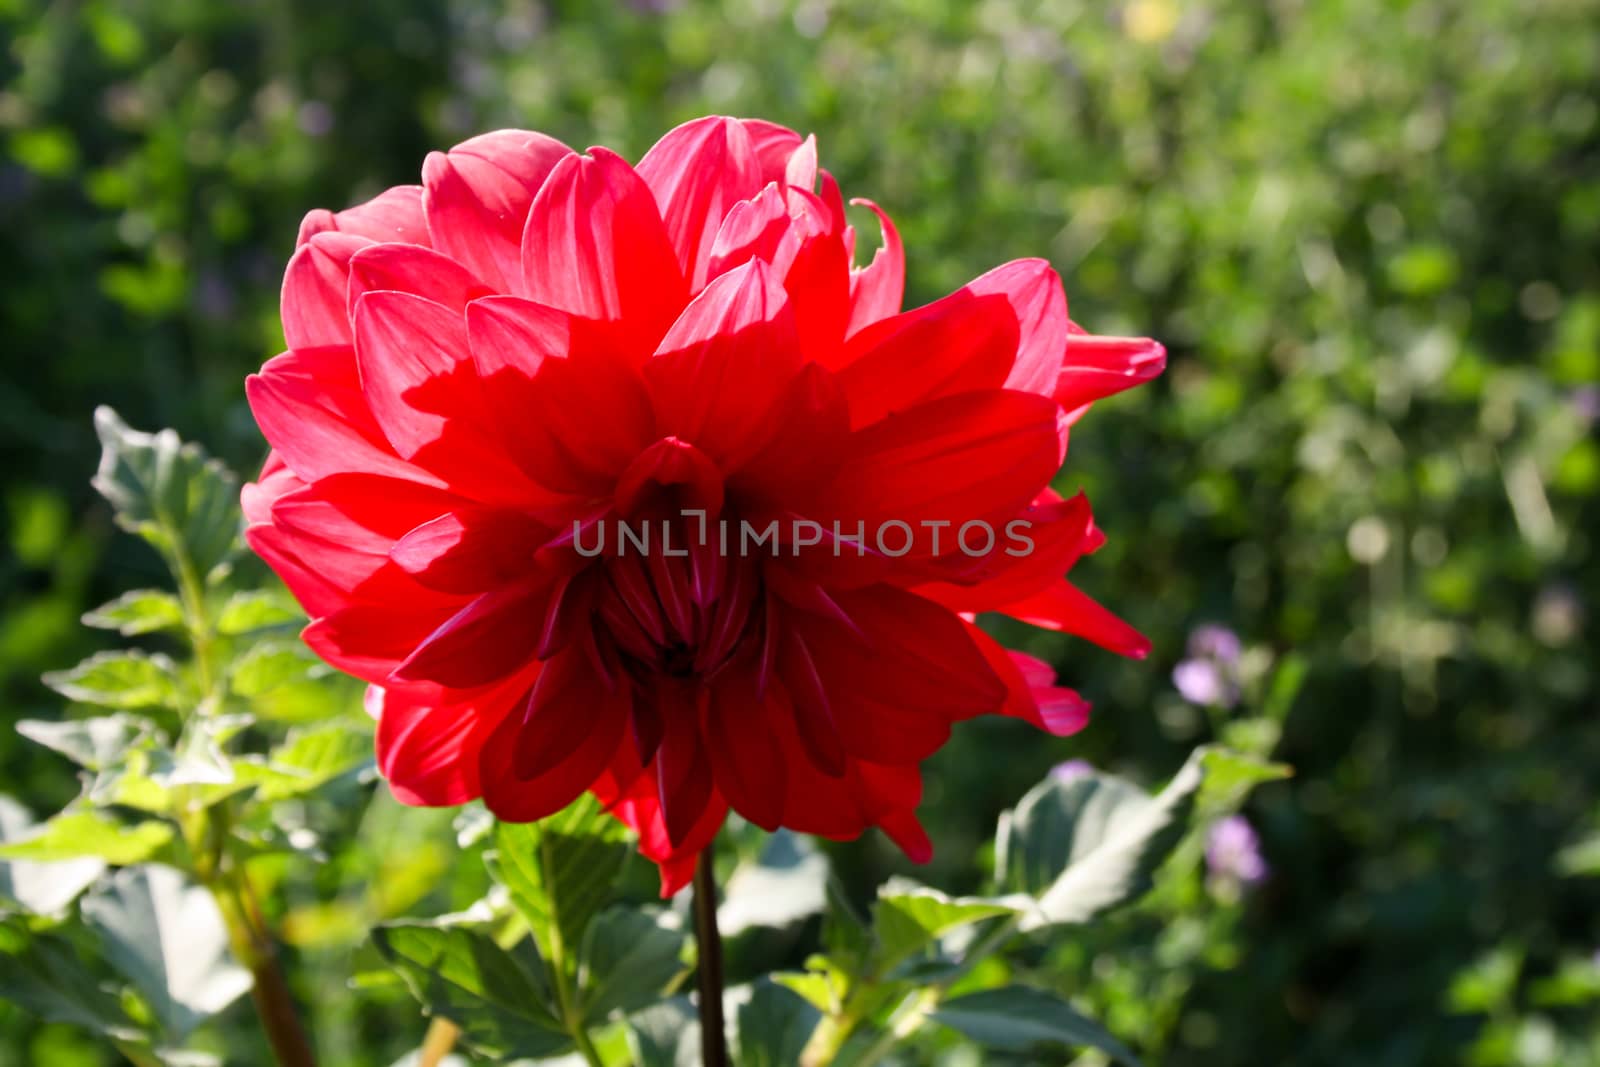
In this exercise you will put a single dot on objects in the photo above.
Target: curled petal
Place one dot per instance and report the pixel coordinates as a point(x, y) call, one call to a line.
point(877, 289)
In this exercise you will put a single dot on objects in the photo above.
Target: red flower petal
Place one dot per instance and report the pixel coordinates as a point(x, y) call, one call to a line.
point(311, 408)
point(482, 643)
point(428, 744)
point(773, 145)
point(418, 375)
point(412, 269)
point(1067, 608)
point(313, 304)
point(877, 289)
point(698, 172)
point(1098, 367)
point(951, 460)
point(393, 215)
point(958, 344)
point(478, 196)
point(724, 366)
point(595, 246)
point(572, 412)
point(544, 755)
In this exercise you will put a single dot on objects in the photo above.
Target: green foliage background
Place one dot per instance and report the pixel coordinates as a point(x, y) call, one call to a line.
point(1367, 231)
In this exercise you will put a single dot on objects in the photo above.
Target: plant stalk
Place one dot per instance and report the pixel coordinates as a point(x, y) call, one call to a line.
point(713, 1034)
point(268, 988)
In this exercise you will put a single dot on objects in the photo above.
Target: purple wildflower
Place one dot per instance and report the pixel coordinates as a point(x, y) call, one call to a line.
point(1233, 852)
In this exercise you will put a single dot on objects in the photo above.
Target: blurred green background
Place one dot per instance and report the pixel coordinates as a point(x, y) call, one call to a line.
point(1368, 231)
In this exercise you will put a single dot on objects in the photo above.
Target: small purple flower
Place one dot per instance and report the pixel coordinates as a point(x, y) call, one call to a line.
point(1585, 401)
point(1233, 852)
point(1215, 642)
point(1210, 675)
point(1072, 770)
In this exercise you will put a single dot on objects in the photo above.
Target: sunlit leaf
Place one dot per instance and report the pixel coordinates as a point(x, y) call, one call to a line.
point(119, 680)
point(1093, 843)
point(167, 937)
point(908, 918)
point(140, 611)
point(560, 870)
point(258, 609)
point(94, 743)
point(79, 834)
point(41, 888)
point(169, 493)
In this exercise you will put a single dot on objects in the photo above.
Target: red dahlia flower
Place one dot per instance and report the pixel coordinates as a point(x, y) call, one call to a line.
point(499, 379)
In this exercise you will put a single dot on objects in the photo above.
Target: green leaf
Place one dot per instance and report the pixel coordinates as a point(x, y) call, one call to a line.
point(666, 1034)
point(119, 680)
point(1091, 844)
point(140, 611)
point(283, 681)
point(1018, 1018)
point(559, 872)
point(167, 937)
point(908, 918)
point(76, 834)
point(95, 743)
point(44, 975)
point(258, 609)
point(787, 883)
point(772, 1026)
point(628, 957)
point(41, 888)
point(1229, 775)
point(169, 493)
point(499, 998)
point(310, 759)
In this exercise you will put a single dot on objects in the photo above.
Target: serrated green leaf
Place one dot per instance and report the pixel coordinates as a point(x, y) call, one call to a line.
point(497, 996)
point(167, 937)
point(271, 664)
point(628, 957)
point(76, 834)
point(771, 1026)
point(119, 680)
point(40, 888)
point(1018, 1018)
point(908, 918)
point(1093, 843)
point(95, 743)
point(169, 493)
point(559, 872)
point(44, 975)
point(310, 759)
point(258, 609)
point(140, 611)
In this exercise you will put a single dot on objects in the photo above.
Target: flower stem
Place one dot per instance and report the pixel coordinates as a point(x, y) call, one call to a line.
point(437, 1042)
point(713, 1036)
point(269, 990)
